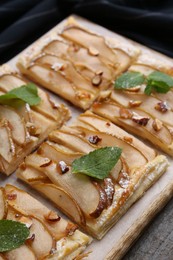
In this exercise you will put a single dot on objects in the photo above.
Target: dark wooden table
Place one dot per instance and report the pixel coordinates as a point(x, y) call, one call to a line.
point(156, 242)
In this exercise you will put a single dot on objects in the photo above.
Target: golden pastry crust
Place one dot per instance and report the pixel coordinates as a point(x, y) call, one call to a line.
point(23, 128)
point(95, 205)
point(76, 68)
point(51, 237)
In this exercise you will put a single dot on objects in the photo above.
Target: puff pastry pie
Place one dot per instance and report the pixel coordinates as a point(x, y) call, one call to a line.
point(77, 63)
point(96, 205)
point(23, 128)
point(51, 236)
point(150, 117)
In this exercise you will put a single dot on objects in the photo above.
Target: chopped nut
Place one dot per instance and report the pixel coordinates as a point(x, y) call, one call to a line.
point(12, 196)
point(96, 80)
point(93, 51)
point(52, 216)
point(135, 103)
point(83, 95)
point(157, 125)
point(162, 106)
point(125, 113)
point(26, 220)
point(63, 167)
point(140, 120)
point(108, 124)
point(104, 95)
point(94, 139)
point(128, 139)
point(58, 66)
point(46, 163)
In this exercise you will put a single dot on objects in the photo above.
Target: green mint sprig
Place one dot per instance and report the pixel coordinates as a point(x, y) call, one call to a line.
point(97, 163)
point(155, 82)
point(27, 93)
point(13, 234)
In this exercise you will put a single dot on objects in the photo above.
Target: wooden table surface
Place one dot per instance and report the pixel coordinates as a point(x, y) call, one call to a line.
point(156, 242)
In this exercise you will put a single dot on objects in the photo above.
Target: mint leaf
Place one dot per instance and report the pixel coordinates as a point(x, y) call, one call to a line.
point(129, 80)
point(148, 90)
point(98, 163)
point(159, 82)
point(159, 78)
point(12, 234)
point(27, 93)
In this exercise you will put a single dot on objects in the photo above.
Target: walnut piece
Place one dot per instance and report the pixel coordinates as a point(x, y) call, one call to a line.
point(162, 106)
point(157, 124)
point(135, 103)
point(140, 120)
point(125, 113)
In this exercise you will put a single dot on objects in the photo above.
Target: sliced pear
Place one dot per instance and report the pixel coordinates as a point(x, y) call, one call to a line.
point(77, 185)
point(7, 147)
point(3, 204)
point(68, 71)
point(20, 253)
point(148, 105)
point(8, 82)
point(160, 138)
point(48, 149)
point(56, 47)
point(45, 107)
point(133, 157)
point(57, 83)
point(30, 174)
point(62, 199)
point(105, 126)
point(74, 142)
point(143, 68)
point(90, 40)
point(30, 206)
point(43, 241)
point(16, 122)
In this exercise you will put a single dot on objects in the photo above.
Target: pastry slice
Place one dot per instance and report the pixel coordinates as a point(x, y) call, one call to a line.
point(148, 116)
point(22, 127)
point(77, 63)
point(94, 204)
point(51, 236)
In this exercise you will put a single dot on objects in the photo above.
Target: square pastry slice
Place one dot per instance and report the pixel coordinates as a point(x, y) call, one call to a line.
point(77, 63)
point(148, 115)
point(50, 236)
point(93, 202)
point(22, 127)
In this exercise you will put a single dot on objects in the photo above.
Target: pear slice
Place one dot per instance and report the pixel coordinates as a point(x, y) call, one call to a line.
point(48, 149)
point(30, 206)
point(68, 70)
point(2, 257)
point(17, 125)
point(74, 142)
point(43, 241)
point(57, 83)
point(9, 81)
point(90, 41)
point(3, 204)
point(159, 138)
point(147, 105)
point(105, 126)
point(62, 199)
point(20, 253)
point(29, 174)
point(76, 184)
point(133, 157)
point(56, 47)
point(7, 147)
